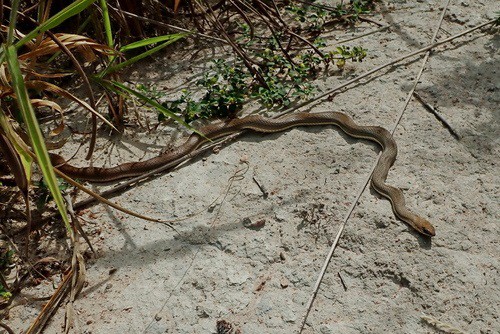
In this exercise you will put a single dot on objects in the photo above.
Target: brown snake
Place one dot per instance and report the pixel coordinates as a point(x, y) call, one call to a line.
point(262, 124)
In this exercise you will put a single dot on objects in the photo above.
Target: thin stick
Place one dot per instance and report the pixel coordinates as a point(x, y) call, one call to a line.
point(364, 34)
point(378, 68)
point(365, 183)
point(75, 221)
point(424, 62)
point(438, 116)
point(334, 246)
point(165, 25)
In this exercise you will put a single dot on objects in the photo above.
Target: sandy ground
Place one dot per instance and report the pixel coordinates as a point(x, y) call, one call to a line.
point(253, 260)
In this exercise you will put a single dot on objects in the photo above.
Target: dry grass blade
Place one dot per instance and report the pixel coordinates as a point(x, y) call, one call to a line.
point(17, 142)
point(43, 85)
point(77, 283)
point(86, 46)
point(38, 103)
point(77, 265)
point(107, 202)
point(15, 165)
point(136, 180)
point(52, 304)
point(165, 25)
point(86, 85)
point(4, 81)
point(176, 5)
point(75, 221)
point(47, 75)
point(73, 283)
point(21, 176)
point(102, 199)
point(17, 33)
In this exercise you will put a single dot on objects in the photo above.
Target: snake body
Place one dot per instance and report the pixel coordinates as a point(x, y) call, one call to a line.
point(259, 123)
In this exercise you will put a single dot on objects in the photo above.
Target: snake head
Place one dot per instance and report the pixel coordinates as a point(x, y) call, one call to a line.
point(423, 226)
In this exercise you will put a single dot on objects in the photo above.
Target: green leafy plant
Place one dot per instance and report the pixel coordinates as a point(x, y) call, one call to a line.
point(4, 293)
point(226, 87)
point(224, 91)
point(278, 75)
point(343, 53)
point(314, 16)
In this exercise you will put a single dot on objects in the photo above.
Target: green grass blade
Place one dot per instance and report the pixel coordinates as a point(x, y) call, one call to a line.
point(106, 22)
point(12, 22)
point(34, 132)
point(53, 21)
point(152, 40)
point(107, 28)
point(124, 89)
point(169, 40)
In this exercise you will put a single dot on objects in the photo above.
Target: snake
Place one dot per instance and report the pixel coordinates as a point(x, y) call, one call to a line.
point(262, 124)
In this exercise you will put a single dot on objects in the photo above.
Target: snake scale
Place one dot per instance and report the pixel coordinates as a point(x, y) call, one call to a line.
point(267, 125)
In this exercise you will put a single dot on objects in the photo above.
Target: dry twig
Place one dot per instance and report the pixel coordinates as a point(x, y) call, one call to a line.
point(438, 116)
